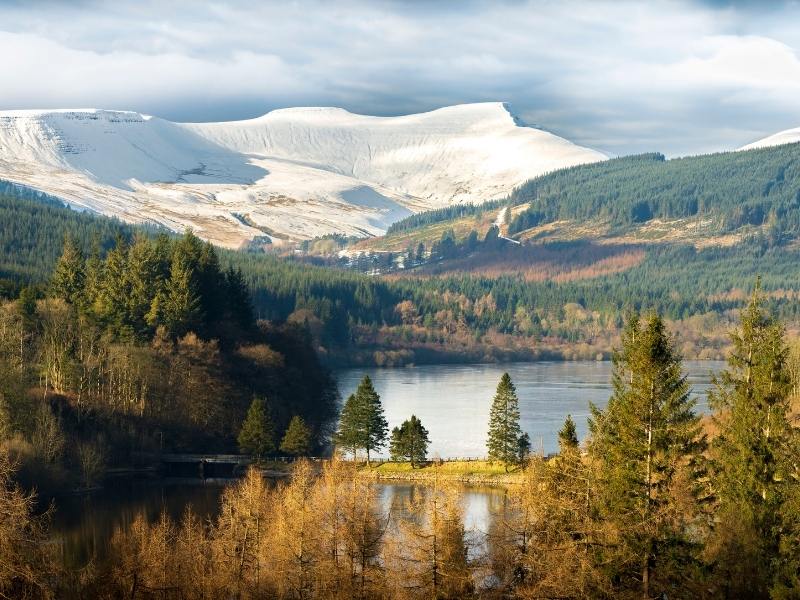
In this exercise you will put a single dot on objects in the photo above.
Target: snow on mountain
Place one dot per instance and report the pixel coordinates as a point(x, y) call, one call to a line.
point(789, 136)
point(291, 174)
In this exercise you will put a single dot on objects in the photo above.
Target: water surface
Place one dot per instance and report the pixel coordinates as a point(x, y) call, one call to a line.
point(453, 401)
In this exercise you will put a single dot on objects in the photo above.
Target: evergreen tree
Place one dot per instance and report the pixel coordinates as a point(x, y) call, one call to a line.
point(504, 429)
point(113, 293)
point(238, 298)
point(568, 436)
point(523, 448)
point(144, 282)
point(755, 473)
point(362, 423)
point(181, 305)
point(27, 304)
point(93, 278)
point(68, 276)
point(257, 435)
point(297, 439)
point(348, 435)
point(645, 437)
point(410, 441)
point(373, 423)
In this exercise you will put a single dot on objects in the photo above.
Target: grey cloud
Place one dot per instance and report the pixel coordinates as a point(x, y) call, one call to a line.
point(679, 77)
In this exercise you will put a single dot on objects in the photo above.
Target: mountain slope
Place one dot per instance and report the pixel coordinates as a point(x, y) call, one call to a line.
point(788, 136)
point(709, 200)
point(289, 175)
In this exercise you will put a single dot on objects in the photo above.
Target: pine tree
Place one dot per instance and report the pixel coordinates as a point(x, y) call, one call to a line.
point(257, 435)
point(568, 436)
point(238, 298)
point(755, 474)
point(68, 276)
point(113, 292)
point(643, 440)
point(373, 422)
point(362, 423)
point(297, 439)
point(504, 429)
point(181, 306)
point(523, 448)
point(144, 283)
point(410, 441)
point(348, 435)
point(93, 278)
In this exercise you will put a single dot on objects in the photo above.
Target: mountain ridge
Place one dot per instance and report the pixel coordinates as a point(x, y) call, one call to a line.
point(288, 175)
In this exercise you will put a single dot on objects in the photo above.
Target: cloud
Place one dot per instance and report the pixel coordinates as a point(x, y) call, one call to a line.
point(679, 77)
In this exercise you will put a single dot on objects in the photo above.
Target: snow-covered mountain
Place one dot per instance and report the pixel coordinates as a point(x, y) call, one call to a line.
point(789, 136)
point(292, 174)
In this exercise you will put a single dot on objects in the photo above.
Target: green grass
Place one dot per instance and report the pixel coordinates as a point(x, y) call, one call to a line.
point(479, 471)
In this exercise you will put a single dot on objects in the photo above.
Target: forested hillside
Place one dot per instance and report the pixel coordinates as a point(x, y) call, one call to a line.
point(148, 347)
point(469, 297)
point(755, 187)
point(734, 189)
point(32, 233)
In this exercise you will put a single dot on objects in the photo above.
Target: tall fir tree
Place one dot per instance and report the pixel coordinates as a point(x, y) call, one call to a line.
point(348, 434)
point(181, 305)
point(410, 441)
point(373, 422)
point(68, 276)
point(257, 435)
point(645, 440)
point(504, 429)
point(113, 293)
point(93, 277)
point(362, 423)
point(145, 280)
point(756, 542)
point(237, 296)
point(297, 438)
point(568, 435)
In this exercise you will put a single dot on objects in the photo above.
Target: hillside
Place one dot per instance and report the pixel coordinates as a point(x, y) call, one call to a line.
point(788, 136)
point(489, 301)
point(710, 200)
point(290, 175)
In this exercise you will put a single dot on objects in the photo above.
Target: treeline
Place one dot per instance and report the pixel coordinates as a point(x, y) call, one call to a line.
point(734, 189)
point(137, 288)
point(32, 232)
point(151, 348)
point(438, 215)
point(649, 507)
point(358, 319)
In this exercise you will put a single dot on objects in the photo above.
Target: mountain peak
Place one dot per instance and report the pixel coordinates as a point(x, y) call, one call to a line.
point(294, 173)
point(787, 136)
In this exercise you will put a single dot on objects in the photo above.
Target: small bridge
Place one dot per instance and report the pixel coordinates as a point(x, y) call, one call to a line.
point(204, 466)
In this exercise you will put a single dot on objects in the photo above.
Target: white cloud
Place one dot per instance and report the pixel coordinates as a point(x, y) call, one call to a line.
point(622, 76)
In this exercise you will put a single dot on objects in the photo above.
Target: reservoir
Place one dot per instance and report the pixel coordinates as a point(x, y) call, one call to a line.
point(453, 401)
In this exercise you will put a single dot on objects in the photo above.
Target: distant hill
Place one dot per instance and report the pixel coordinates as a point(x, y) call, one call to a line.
point(716, 199)
point(289, 175)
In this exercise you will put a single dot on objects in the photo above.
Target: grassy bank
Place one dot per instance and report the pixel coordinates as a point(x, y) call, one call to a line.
point(474, 471)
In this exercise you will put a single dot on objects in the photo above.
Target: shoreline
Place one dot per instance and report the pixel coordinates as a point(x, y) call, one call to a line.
point(466, 472)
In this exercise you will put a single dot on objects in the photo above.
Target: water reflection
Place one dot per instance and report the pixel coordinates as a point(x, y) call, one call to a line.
point(453, 400)
point(84, 525)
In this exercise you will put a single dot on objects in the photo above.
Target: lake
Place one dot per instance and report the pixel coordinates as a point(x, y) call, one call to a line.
point(453, 401)
point(83, 526)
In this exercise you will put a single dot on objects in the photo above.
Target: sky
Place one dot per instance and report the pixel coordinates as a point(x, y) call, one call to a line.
point(680, 77)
